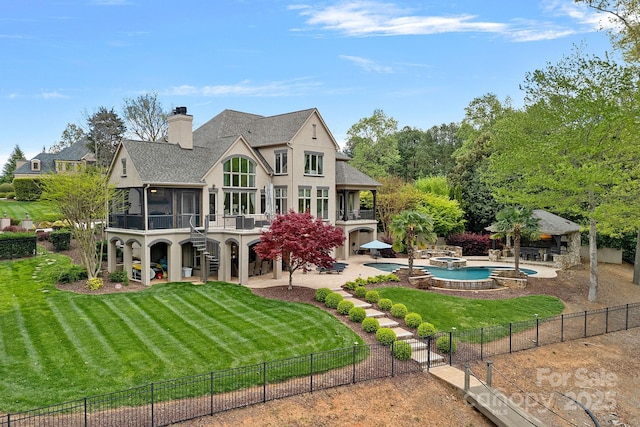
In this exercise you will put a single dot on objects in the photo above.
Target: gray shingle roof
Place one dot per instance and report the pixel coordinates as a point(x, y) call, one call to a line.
point(75, 152)
point(554, 224)
point(47, 165)
point(348, 175)
point(161, 162)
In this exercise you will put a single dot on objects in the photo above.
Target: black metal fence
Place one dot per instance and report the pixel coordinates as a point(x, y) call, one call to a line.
point(167, 402)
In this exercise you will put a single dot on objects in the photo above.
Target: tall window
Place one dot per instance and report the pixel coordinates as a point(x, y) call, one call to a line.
point(124, 166)
point(280, 199)
point(239, 203)
point(322, 203)
point(313, 164)
point(212, 206)
point(281, 162)
point(304, 199)
point(239, 172)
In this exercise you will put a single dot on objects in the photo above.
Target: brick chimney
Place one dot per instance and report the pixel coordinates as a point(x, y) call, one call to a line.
point(181, 128)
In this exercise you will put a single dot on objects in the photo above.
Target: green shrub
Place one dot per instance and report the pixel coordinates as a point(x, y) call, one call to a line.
point(27, 189)
point(11, 196)
point(413, 320)
point(3, 195)
point(370, 325)
point(119, 276)
point(6, 187)
point(322, 293)
point(94, 284)
point(72, 274)
point(17, 243)
point(442, 344)
point(332, 300)
point(360, 281)
point(344, 306)
point(60, 239)
point(391, 278)
point(401, 350)
point(357, 314)
point(399, 310)
point(350, 286)
point(426, 329)
point(372, 297)
point(385, 304)
point(385, 336)
point(373, 280)
point(361, 291)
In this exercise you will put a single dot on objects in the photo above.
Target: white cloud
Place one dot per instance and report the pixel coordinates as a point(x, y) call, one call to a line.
point(367, 64)
point(366, 18)
point(51, 95)
point(247, 88)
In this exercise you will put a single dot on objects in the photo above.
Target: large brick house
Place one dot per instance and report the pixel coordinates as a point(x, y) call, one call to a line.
point(197, 203)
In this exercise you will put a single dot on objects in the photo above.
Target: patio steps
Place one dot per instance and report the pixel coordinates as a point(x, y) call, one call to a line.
point(385, 322)
point(372, 312)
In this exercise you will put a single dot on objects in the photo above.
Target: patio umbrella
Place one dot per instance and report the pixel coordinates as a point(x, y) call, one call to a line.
point(374, 246)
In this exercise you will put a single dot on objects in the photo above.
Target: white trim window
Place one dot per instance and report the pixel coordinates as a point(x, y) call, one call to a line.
point(313, 164)
point(304, 199)
point(281, 162)
point(322, 202)
point(280, 199)
point(239, 172)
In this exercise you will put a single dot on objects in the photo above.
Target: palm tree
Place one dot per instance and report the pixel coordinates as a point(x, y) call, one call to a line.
point(516, 222)
point(411, 228)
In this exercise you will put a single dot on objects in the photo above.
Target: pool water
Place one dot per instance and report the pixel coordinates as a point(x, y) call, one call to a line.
point(462, 273)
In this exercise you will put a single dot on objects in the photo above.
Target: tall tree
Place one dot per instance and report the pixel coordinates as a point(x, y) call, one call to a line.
point(145, 117)
point(571, 147)
point(625, 34)
point(70, 135)
point(516, 222)
point(82, 198)
point(411, 229)
point(393, 197)
point(106, 130)
point(299, 240)
point(475, 132)
point(10, 167)
point(373, 146)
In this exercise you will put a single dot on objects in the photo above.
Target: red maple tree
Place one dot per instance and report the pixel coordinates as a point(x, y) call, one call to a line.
point(301, 241)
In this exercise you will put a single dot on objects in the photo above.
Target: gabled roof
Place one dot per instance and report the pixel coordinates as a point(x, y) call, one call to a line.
point(347, 175)
point(75, 152)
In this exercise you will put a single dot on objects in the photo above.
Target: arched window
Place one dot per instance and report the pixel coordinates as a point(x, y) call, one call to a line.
point(239, 172)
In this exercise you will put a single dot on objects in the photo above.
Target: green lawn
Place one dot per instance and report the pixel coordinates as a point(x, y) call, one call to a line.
point(39, 211)
point(56, 346)
point(445, 311)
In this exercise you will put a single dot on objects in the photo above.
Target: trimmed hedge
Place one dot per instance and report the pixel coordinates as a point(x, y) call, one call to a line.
point(372, 297)
point(399, 310)
point(357, 314)
point(361, 291)
point(322, 293)
point(73, 274)
point(344, 306)
point(385, 304)
point(370, 325)
point(401, 350)
point(426, 329)
point(60, 239)
point(442, 344)
point(27, 189)
point(413, 320)
point(119, 276)
point(385, 336)
point(17, 245)
point(332, 300)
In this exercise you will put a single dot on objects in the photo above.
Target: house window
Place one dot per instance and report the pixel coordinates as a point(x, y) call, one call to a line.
point(281, 162)
point(314, 135)
point(322, 203)
point(313, 164)
point(124, 167)
point(35, 165)
point(239, 203)
point(212, 206)
point(280, 199)
point(239, 172)
point(304, 199)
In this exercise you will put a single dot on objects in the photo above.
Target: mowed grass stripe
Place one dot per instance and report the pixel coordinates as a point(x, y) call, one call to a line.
point(199, 328)
point(140, 335)
point(74, 341)
point(35, 362)
point(165, 330)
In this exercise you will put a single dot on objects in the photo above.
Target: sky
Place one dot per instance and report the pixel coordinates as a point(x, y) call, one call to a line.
point(421, 62)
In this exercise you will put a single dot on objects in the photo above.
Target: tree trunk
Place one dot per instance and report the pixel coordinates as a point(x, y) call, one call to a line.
point(410, 256)
point(516, 251)
point(636, 263)
point(290, 278)
point(593, 262)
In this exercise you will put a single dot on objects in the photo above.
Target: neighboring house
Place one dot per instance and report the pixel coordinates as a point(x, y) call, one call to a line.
point(70, 158)
point(197, 203)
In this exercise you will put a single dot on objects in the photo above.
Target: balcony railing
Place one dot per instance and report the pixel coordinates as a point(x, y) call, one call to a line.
point(355, 215)
point(154, 222)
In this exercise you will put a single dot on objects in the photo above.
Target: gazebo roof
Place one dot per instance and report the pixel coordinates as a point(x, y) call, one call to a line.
point(551, 224)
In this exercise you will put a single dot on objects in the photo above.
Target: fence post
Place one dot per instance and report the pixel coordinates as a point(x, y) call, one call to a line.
point(211, 390)
point(537, 331)
point(585, 323)
point(451, 348)
point(85, 411)
point(153, 421)
point(311, 373)
point(264, 382)
point(428, 352)
point(510, 336)
point(481, 343)
point(606, 321)
point(467, 374)
point(562, 328)
point(489, 372)
point(353, 379)
point(393, 361)
point(626, 320)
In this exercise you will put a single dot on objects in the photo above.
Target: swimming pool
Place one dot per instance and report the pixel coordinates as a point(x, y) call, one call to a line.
point(462, 273)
